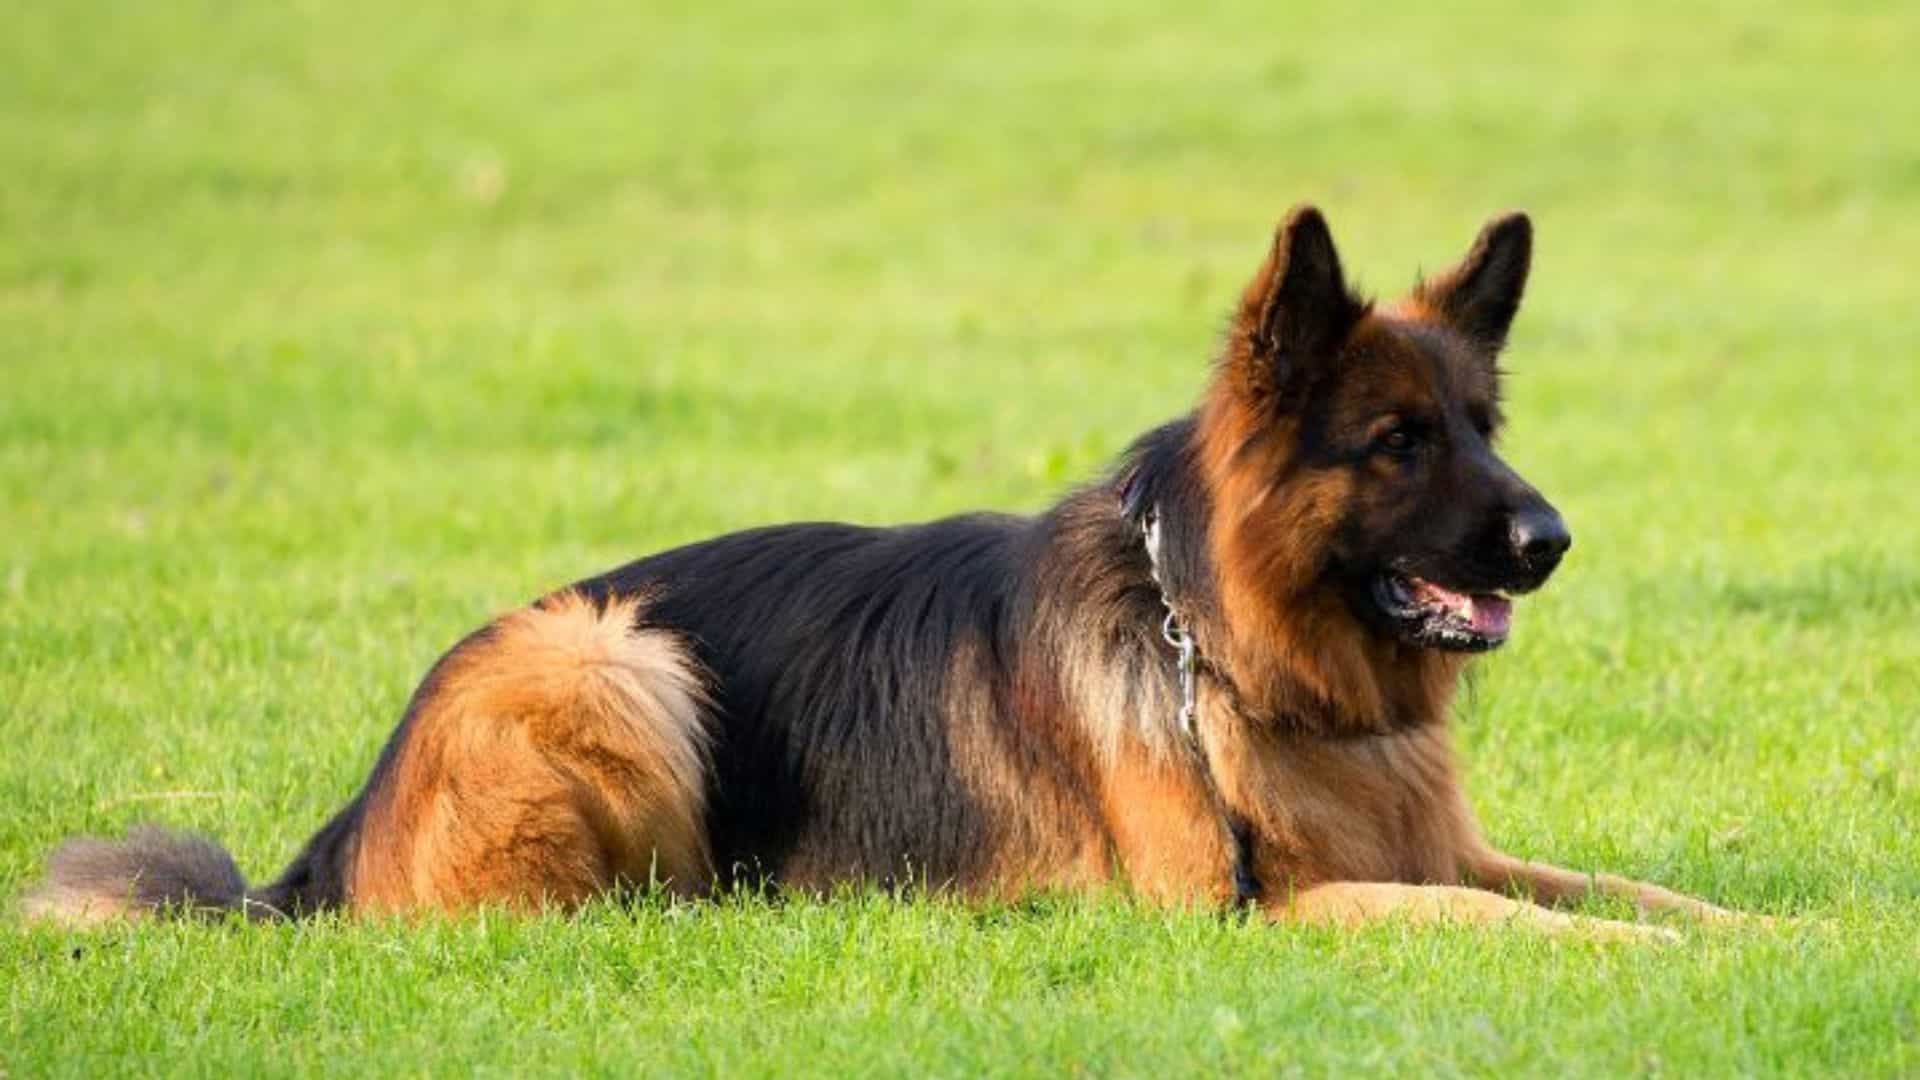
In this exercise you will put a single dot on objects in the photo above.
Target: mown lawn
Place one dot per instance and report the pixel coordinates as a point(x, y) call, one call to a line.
point(328, 329)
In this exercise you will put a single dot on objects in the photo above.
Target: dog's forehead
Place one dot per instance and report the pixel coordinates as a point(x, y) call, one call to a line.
point(1416, 361)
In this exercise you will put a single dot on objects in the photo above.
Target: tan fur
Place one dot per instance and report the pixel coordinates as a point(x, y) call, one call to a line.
point(1353, 904)
point(562, 753)
point(557, 757)
point(77, 909)
point(1040, 833)
point(1550, 885)
point(1377, 808)
point(1328, 742)
point(1291, 647)
point(1169, 842)
point(1093, 662)
point(1125, 714)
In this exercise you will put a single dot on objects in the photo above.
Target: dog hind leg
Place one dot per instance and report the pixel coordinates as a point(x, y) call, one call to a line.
point(558, 755)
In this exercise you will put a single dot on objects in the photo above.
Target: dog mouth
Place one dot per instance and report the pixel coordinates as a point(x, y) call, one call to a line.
point(1431, 615)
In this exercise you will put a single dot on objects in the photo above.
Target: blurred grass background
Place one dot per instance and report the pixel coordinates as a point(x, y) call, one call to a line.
point(327, 330)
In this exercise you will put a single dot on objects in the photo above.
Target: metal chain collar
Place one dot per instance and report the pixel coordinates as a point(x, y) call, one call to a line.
point(1173, 630)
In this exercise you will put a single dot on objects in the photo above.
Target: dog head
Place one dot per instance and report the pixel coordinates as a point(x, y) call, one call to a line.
point(1353, 452)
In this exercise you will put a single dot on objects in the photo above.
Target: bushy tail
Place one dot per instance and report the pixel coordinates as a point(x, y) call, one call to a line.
point(152, 872)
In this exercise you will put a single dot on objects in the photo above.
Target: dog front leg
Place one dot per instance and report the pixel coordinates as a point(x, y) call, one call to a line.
point(1553, 886)
point(1357, 903)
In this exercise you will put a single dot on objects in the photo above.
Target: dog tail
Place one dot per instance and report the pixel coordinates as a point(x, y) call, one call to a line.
point(153, 872)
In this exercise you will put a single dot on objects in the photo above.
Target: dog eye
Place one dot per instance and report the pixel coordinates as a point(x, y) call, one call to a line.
point(1399, 441)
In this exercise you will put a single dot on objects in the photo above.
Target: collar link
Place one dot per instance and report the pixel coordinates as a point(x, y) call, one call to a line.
point(1173, 629)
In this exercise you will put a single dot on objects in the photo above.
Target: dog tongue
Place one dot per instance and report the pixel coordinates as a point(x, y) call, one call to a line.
point(1492, 616)
point(1488, 615)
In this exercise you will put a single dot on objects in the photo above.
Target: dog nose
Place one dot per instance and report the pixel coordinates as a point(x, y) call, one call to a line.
point(1539, 537)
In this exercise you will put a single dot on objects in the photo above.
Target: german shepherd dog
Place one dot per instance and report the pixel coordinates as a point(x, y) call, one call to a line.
point(1221, 675)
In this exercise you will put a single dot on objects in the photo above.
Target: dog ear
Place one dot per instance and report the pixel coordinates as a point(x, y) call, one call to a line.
point(1480, 296)
point(1297, 309)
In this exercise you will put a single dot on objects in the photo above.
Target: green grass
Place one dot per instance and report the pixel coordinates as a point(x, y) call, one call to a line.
point(327, 330)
